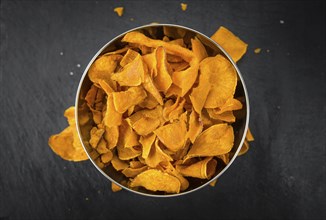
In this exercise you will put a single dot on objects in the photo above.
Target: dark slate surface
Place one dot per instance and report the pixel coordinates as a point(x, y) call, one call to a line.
point(283, 175)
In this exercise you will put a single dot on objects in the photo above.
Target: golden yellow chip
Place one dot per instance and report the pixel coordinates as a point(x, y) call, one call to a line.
point(119, 11)
point(203, 169)
point(169, 168)
point(132, 73)
point(195, 126)
point(107, 157)
point(223, 79)
point(132, 172)
point(156, 155)
point(216, 140)
point(66, 144)
point(112, 116)
point(230, 43)
point(225, 116)
point(163, 79)
point(183, 6)
point(173, 135)
point(125, 99)
point(149, 86)
point(127, 136)
point(199, 49)
point(103, 68)
point(213, 183)
point(130, 56)
point(115, 187)
point(249, 136)
point(156, 180)
point(111, 135)
point(118, 164)
point(147, 142)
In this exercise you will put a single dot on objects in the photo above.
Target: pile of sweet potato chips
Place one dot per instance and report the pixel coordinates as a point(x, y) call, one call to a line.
point(162, 110)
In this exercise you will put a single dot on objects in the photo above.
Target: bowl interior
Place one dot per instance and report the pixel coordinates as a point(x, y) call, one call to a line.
point(156, 31)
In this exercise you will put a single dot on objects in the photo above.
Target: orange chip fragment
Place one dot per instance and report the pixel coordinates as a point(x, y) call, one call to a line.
point(119, 11)
point(230, 43)
point(156, 180)
point(183, 6)
point(115, 187)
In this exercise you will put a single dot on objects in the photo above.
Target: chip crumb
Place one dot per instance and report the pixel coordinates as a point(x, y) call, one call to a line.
point(86, 199)
point(61, 53)
point(183, 6)
point(71, 73)
point(267, 50)
point(119, 11)
point(281, 22)
point(78, 65)
point(257, 50)
point(132, 19)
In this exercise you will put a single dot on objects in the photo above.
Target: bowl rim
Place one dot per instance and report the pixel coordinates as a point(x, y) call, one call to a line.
point(224, 53)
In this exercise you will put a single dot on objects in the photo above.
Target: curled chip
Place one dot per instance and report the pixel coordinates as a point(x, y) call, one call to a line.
point(203, 169)
point(160, 110)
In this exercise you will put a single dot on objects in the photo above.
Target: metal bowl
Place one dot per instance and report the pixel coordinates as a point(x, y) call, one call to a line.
point(240, 126)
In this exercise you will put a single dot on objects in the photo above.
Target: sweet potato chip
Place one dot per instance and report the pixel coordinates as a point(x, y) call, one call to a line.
point(66, 144)
point(130, 56)
point(132, 172)
point(195, 126)
point(230, 43)
point(112, 116)
point(149, 86)
point(156, 155)
point(147, 142)
point(156, 180)
point(186, 78)
point(173, 135)
point(132, 73)
point(223, 79)
point(115, 187)
point(107, 157)
point(111, 135)
point(96, 135)
point(216, 140)
point(103, 68)
point(225, 116)
point(127, 137)
point(167, 167)
point(119, 11)
point(199, 49)
point(124, 100)
point(203, 169)
point(118, 164)
point(163, 79)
